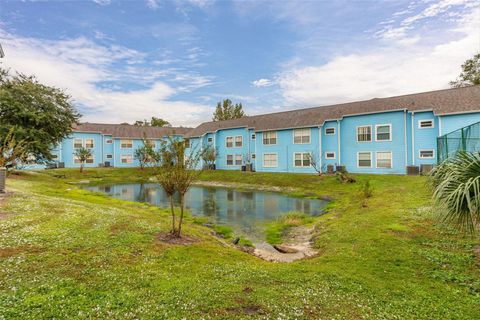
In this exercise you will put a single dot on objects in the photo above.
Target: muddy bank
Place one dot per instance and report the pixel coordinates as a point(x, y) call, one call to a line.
point(244, 186)
point(299, 245)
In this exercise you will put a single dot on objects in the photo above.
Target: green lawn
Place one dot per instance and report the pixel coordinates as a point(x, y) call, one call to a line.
point(68, 253)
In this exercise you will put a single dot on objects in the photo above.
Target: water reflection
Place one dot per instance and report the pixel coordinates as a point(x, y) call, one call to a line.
point(245, 211)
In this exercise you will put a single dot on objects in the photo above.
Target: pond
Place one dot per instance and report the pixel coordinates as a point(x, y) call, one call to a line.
point(246, 212)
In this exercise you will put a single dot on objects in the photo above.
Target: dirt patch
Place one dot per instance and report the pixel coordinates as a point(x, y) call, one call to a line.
point(249, 310)
point(476, 252)
point(10, 252)
point(168, 238)
point(3, 198)
point(299, 242)
point(244, 186)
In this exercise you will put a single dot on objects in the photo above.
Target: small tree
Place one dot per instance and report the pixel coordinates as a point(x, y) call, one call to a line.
point(145, 154)
point(159, 122)
point(82, 154)
point(470, 75)
point(315, 163)
point(209, 157)
point(226, 111)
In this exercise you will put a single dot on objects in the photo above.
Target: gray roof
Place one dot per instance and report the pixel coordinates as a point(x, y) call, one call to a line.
point(441, 102)
point(130, 131)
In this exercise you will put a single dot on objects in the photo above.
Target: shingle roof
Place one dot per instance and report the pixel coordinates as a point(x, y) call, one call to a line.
point(441, 102)
point(130, 131)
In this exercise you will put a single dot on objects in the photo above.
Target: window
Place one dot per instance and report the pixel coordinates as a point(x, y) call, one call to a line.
point(76, 160)
point(253, 136)
point(383, 132)
point(270, 137)
point(302, 159)
point(187, 143)
point(329, 131)
point(229, 159)
point(54, 156)
point(330, 155)
point(253, 156)
point(364, 134)
point(238, 159)
point(126, 144)
point(89, 143)
point(77, 143)
point(238, 141)
point(126, 158)
point(364, 159)
point(210, 139)
point(109, 141)
point(426, 154)
point(424, 124)
point(270, 160)
point(301, 136)
point(229, 142)
point(109, 156)
point(384, 160)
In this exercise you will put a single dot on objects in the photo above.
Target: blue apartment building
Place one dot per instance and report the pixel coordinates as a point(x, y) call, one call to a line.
point(381, 135)
point(112, 145)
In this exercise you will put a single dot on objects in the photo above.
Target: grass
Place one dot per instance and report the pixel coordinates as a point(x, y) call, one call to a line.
point(70, 253)
point(276, 230)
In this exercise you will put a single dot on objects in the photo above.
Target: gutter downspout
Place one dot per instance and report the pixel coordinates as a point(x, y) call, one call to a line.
point(339, 144)
point(320, 153)
point(405, 135)
point(114, 151)
point(413, 138)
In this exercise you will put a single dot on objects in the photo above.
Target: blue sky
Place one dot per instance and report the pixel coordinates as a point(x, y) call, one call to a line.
point(129, 60)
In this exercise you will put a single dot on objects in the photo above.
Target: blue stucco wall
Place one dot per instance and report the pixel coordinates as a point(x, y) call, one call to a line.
point(453, 122)
point(350, 147)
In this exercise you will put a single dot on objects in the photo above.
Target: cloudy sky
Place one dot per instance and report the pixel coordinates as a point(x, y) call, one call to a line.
point(128, 60)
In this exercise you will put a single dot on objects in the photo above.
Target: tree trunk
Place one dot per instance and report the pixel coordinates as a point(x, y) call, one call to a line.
point(179, 231)
point(172, 209)
point(81, 168)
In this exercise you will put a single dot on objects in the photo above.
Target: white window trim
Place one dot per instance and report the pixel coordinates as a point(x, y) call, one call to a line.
point(109, 139)
point(253, 136)
point(270, 144)
point(330, 134)
point(93, 143)
point(301, 153)
point(122, 147)
point(235, 160)
point(334, 155)
point(263, 160)
point(73, 143)
point(425, 120)
point(383, 125)
point(371, 133)
point(210, 139)
point(109, 154)
point(420, 153)
point(122, 155)
point(376, 159)
point(226, 160)
point(233, 142)
point(309, 136)
point(358, 159)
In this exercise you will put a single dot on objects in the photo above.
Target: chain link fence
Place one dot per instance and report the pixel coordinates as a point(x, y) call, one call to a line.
point(464, 139)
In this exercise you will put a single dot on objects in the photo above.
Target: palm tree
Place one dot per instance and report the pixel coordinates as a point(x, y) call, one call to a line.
point(456, 184)
point(82, 154)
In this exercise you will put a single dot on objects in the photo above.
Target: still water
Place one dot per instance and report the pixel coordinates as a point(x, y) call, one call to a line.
point(245, 211)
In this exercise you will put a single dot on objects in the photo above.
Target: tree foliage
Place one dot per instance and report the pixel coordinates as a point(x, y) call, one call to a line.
point(175, 172)
point(456, 184)
point(226, 110)
point(11, 150)
point(470, 73)
point(145, 154)
point(82, 154)
point(154, 122)
point(39, 116)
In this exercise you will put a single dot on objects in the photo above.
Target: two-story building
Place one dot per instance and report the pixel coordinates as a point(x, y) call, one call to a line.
point(111, 145)
point(384, 135)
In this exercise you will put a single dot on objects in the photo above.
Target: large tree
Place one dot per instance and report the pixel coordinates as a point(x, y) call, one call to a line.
point(39, 116)
point(470, 73)
point(226, 110)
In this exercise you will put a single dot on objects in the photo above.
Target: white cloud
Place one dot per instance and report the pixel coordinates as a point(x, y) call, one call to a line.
point(102, 2)
point(153, 4)
point(385, 71)
point(82, 67)
point(262, 83)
